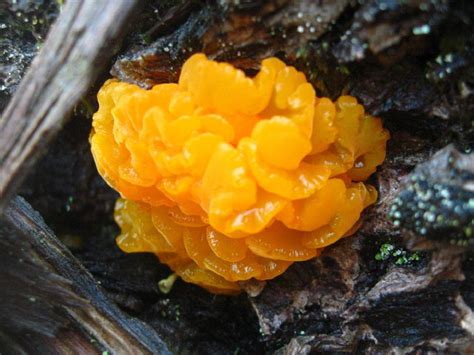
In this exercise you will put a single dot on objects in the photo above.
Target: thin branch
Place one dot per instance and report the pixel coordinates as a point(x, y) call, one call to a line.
point(79, 45)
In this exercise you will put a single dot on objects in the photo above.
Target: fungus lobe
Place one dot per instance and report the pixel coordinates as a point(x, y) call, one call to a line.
point(226, 177)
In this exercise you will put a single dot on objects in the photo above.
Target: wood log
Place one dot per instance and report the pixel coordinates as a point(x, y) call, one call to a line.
point(48, 295)
point(383, 290)
point(80, 43)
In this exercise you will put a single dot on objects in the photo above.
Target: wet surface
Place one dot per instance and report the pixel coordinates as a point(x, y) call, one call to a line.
point(411, 65)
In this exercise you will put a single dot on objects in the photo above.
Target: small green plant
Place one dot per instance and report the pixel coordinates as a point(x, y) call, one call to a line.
point(401, 256)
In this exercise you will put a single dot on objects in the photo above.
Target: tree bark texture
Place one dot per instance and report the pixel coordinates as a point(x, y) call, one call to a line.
point(82, 40)
point(50, 302)
point(403, 283)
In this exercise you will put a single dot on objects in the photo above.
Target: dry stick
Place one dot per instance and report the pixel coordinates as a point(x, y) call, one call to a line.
point(98, 316)
point(79, 44)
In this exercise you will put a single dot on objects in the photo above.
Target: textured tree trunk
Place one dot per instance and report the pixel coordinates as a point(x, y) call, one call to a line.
point(403, 283)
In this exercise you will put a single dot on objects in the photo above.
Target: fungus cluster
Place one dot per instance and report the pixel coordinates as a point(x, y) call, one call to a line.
point(227, 178)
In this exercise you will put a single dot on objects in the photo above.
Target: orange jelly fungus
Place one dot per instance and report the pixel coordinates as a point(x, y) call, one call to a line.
point(227, 178)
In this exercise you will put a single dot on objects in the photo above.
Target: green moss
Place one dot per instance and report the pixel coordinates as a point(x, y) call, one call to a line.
point(399, 256)
point(343, 69)
point(302, 53)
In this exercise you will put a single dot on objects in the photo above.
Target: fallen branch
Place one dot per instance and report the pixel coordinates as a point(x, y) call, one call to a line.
point(78, 47)
point(48, 293)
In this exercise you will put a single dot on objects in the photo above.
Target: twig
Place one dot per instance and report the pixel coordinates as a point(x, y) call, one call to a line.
point(79, 45)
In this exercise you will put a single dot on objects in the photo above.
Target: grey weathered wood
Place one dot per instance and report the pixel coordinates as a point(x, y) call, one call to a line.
point(79, 44)
point(48, 294)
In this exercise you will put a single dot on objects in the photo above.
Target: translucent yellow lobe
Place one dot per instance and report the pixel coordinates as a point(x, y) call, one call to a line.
point(226, 177)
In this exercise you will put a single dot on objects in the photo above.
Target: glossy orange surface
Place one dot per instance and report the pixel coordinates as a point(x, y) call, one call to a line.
point(226, 177)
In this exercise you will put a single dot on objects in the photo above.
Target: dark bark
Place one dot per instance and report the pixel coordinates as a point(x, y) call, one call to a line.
point(437, 200)
point(79, 44)
point(386, 288)
point(51, 303)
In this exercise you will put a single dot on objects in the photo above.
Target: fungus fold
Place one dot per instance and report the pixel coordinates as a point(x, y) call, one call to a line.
point(226, 177)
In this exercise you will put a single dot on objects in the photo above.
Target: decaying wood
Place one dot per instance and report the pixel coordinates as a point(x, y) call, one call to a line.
point(49, 300)
point(383, 290)
point(82, 40)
